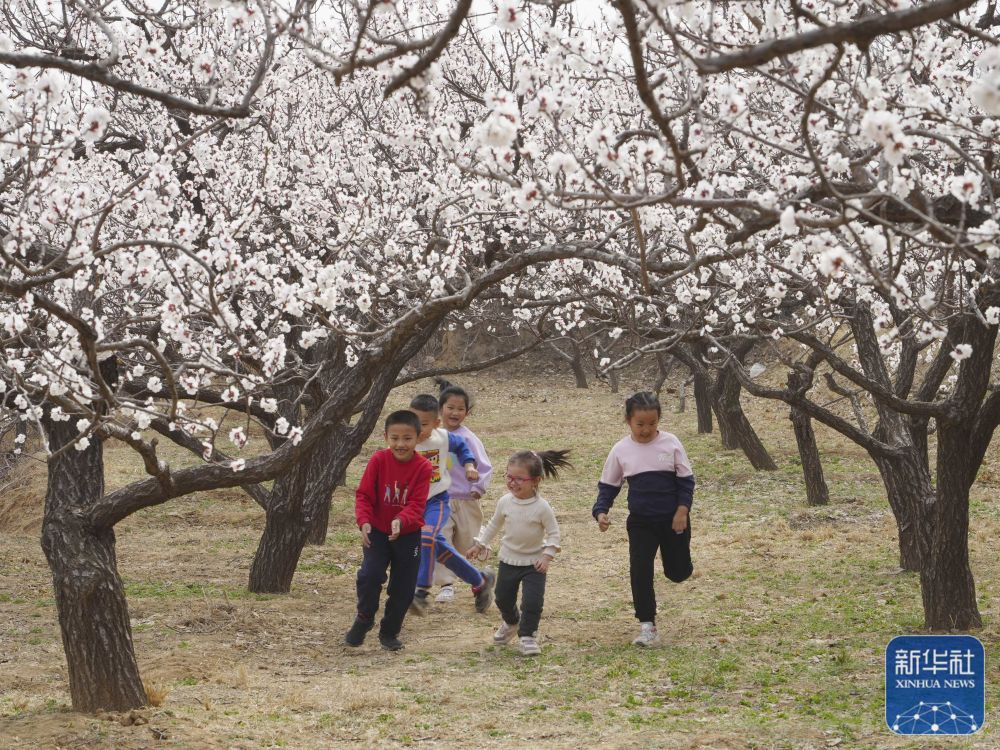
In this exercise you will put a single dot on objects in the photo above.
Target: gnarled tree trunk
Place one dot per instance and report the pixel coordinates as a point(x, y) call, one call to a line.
point(817, 492)
point(737, 432)
point(910, 493)
point(576, 362)
point(664, 365)
point(285, 531)
point(90, 599)
point(703, 402)
point(946, 583)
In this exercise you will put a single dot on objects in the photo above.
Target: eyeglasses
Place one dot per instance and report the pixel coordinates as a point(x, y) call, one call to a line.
point(517, 480)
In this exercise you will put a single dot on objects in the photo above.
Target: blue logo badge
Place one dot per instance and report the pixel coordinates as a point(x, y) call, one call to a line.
point(935, 684)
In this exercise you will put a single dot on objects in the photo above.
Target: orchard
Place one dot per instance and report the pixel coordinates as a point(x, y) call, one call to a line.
point(236, 235)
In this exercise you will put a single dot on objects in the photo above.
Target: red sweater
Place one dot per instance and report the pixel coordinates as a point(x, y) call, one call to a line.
point(390, 489)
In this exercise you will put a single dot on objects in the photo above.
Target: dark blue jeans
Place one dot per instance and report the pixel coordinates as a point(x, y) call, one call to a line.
point(402, 559)
point(532, 584)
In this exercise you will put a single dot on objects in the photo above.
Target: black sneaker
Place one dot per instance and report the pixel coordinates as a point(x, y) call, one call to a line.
point(484, 597)
point(390, 642)
point(356, 635)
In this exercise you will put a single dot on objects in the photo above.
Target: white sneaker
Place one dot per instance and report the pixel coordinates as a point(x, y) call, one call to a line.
point(529, 646)
point(647, 635)
point(505, 634)
point(447, 594)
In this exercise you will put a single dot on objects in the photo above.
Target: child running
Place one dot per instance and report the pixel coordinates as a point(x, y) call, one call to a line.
point(389, 507)
point(435, 445)
point(530, 542)
point(660, 492)
point(466, 516)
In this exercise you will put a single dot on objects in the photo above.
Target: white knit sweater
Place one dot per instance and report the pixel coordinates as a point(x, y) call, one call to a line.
point(530, 530)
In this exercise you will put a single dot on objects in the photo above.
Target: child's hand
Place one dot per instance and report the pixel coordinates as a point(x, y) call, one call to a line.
point(366, 529)
point(476, 494)
point(474, 551)
point(396, 527)
point(602, 521)
point(542, 564)
point(471, 474)
point(680, 519)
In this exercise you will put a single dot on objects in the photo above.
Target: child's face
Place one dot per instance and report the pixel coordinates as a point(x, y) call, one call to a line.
point(644, 425)
point(428, 421)
point(520, 482)
point(454, 412)
point(402, 440)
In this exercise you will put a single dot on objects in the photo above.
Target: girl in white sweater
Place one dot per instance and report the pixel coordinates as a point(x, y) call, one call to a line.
point(530, 542)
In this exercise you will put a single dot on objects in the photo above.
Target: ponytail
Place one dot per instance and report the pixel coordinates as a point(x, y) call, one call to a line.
point(541, 463)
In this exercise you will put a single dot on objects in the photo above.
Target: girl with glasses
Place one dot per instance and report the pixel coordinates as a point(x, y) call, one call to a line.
point(530, 542)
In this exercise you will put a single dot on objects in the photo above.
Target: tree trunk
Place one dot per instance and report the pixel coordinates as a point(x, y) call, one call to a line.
point(614, 380)
point(90, 599)
point(911, 494)
point(320, 523)
point(663, 366)
point(812, 466)
point(323, 480)
point(300, 505)
point(703, 402)
point(278, 551)
point(285, 531)
point(946, 582)
point(737, 432)
point(576, 362)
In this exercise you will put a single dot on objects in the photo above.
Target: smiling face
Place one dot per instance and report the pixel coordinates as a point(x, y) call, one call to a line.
point(428, 421)
point(644, 425)
point(520, 482)
point(454, 412)
point(402, 440)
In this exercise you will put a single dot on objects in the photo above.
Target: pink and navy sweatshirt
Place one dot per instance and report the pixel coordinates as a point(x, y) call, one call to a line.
point(659, 477)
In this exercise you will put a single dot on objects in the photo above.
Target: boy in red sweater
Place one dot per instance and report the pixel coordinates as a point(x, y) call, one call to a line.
point(389, 507)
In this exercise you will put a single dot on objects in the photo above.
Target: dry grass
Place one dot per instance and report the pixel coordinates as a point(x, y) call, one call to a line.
point(156, 695)
point(776, 642)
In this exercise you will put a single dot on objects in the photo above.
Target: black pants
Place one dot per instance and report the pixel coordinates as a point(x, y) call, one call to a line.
point(645, 536)
point(532, 585)
point(402, 558)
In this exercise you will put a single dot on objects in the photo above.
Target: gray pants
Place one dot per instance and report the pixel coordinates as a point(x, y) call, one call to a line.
point(532, 585)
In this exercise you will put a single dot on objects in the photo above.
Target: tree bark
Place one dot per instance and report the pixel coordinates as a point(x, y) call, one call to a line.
point(946, 583)
point(910, 493)
point(737, 432)
point(323, 480)
point(576, 362)
point(703, 402)
point(663, 367)
point(90, 598)
point(614, 380)
point(320, 523)
point(817, 492)
point(285, 531)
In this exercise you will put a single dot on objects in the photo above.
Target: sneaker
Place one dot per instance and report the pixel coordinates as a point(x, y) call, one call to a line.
point(419, 605)
point(446, 595)
point(390, 642)
point(356, 635)
point(529, 646)
point(484, 597)
point(647, 635)
point(505, 634)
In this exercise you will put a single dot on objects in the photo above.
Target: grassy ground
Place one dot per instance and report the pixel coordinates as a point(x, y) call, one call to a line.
point(776, 642)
